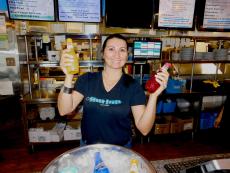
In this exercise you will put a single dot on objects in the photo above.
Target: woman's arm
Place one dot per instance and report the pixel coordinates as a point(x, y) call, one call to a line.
point(67, 102)
point(144, 116)
point(219, 118)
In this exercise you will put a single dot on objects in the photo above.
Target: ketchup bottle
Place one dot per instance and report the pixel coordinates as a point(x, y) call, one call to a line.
point(152, 85)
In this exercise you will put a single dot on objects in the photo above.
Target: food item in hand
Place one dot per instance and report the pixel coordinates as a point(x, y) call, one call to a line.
point(74, 67)
point(152, 85)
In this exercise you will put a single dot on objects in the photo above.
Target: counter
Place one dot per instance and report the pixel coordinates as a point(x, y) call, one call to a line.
point(159, 164)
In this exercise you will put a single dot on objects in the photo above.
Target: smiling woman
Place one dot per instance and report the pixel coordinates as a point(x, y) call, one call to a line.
point(110, 97)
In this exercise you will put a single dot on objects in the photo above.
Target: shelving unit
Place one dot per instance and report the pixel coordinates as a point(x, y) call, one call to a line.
point(191, 94)
point(39, 94)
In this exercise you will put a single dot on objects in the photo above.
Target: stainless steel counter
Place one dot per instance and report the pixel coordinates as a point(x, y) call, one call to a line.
point(159, 164)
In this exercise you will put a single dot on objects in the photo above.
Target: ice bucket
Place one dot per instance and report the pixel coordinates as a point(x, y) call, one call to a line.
point(81, 160)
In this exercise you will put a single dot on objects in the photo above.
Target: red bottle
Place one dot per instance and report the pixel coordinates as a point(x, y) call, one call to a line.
point(152, 85)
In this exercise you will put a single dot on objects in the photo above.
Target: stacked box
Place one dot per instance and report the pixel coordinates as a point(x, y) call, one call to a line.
point(72, 134)
point(39, 135)
point(176, 126)
point(187, 124)
point(162, 126)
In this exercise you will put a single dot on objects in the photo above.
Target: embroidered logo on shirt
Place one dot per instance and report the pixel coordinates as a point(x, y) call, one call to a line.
point(103, 102)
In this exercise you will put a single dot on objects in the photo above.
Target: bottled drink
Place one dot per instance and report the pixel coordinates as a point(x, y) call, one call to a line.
point(74, 67)
point(152, 85)
point(99, 166)
point(134, 166)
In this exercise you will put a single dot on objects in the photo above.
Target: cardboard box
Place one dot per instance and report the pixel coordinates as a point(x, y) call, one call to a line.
point(44, 136)
point(72, 134)
point(162, 128)
point(176, 127)
point(39, 135)
point(187, 124)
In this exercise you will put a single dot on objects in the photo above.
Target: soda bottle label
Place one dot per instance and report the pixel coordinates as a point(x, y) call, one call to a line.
point(74, 67)
point(134, 166)
point(100, 166)
point(152, 85)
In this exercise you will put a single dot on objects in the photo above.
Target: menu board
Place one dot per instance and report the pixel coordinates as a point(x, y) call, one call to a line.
point(176, 13)
point(217, 14)
point(79, 10)
point(31, 10)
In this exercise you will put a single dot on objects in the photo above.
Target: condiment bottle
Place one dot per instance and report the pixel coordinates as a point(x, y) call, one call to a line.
point(152, 85)
point(100, 166)
point(134, 166)
point(74, 67)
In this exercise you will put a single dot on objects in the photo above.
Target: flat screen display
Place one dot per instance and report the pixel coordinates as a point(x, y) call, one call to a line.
point(3, 6)
point(144, 50)
point(129, 13)
point(42, 10)
point(79, 10)
point(213, 15)
point(175, 14)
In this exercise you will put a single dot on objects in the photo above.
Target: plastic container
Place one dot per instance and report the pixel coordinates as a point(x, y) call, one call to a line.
point(116, 158)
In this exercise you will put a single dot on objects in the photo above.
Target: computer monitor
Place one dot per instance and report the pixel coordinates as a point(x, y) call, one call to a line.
point(174, 14)
point(38, 10)
point(79, 11)
point(213, 15)
point(146, 50)
point(129, 13)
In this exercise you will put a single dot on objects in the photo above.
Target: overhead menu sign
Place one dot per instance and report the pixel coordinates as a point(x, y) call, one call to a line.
point(176, 13)
point(32, 9)
point(79, 10)
point(217, 14)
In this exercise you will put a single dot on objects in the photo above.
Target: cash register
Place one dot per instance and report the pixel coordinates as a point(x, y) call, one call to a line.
point(201, 165)
point(217, 165)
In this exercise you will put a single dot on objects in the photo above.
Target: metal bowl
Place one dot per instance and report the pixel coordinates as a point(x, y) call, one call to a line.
point(81, 160)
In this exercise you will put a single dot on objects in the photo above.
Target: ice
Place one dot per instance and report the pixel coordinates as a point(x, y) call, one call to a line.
point(81, 160)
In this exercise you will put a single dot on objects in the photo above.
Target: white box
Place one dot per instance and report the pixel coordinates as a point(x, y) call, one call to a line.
point(33, 137)
point(72, 134)
point(44, 136)
point(55, 137)
point(39, 135)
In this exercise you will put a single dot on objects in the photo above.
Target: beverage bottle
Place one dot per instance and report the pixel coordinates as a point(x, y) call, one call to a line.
point(100, 166)
point(152, 85)
point(74, 67)
point(134, 166)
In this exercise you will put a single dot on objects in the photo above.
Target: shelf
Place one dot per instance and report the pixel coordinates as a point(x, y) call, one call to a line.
point(82, 63)
point(60, 119)
point(100, 63)
point(41, 96)
point(197, 37)
point(196, 61)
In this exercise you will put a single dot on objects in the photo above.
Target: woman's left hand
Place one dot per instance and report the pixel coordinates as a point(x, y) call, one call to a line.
point(162, 78)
